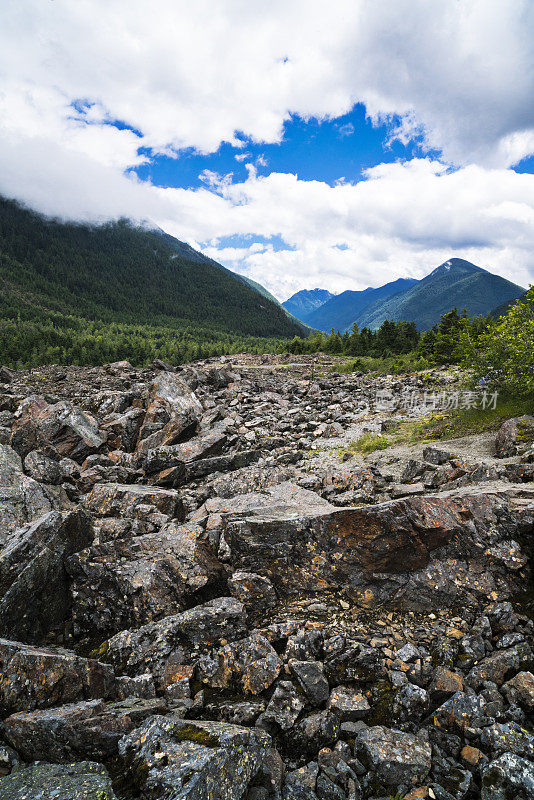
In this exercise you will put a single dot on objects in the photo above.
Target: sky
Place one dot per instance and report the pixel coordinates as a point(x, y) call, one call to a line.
point(301, 143)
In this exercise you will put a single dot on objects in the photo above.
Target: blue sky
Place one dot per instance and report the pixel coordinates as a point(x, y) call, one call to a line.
point(301, 144)
point(323, 150)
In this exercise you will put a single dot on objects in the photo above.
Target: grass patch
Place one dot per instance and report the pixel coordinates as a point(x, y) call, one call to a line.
point(368, 443)
point(392, 365)
point(461, 422)
point(442, 425)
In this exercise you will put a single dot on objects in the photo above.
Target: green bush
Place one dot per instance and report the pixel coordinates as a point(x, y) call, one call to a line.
point(503, 355)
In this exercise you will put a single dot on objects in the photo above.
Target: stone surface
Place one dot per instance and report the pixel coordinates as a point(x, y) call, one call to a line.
point(39, 677)
point(89, 730)
point(127, 583)
point(34, 585)
point(85, 780)
point(395, 757)
point(193, 760)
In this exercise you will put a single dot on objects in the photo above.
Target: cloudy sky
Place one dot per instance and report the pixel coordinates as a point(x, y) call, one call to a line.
point(303, 143)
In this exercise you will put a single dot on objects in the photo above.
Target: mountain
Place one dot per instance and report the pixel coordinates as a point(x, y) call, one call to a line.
point(343, 309)
point(504, 308)
point(455, 283)
point(305, 302)
point(123, 273)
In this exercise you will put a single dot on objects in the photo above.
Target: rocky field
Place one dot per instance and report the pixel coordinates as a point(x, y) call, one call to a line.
point(205, 595)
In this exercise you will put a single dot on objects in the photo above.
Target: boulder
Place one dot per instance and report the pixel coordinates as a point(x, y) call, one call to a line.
point(302, 543)
point(192, 760)
point(41, 781)
point(39, 466)
point(514, 435)
point(123, 500)
point(162, 647)
point(461, 711)
point(69, 430)
point(498, 665)
point(254, 591)
point(90, 729)
point(172, 412)
point(126, 583)
point(348, 704)
point(310, 675)
point(252, 664)
point(34, 584)
point(22, 499)
point(509, 777)
point(520, 689)
point(40, 677)
point(394, 757)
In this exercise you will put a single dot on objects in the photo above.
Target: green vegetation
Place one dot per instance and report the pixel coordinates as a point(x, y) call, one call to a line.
point(368, 443)
point(503, 354)
point(85, 294)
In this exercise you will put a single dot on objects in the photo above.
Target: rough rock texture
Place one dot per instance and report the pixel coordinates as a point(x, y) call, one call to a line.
point(207, 591)
point(38, 677)
point(129, 582)
point(194, 760)
point(85, 780)
point(32, 565)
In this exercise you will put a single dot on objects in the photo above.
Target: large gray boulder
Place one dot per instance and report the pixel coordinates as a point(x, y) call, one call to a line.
point(34, 585)
point(127, 583)
point(193, 760)
point(394, 757)
point(509, 777)
point(22, 499)
point(83, 781)
point(161, 647)
point(71, 432)
point(40, 677)
point(90, 729)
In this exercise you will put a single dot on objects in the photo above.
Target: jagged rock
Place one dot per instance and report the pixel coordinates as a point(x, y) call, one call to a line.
point(34, 584)
point(22, 499)
point(87, 730)
point(512, 435)
point(461, 711)
point(348, 704)
point(193, 760)
point(508, 737)
point(85, 780)
point(509, 777)
point(69, 430)
point(499, 664)
point(284, 707)
point(314, 732)
point(203, 445)
point(255, 592)
point(40, 677)
point(123, 429)
point(411, 703)
point(395, 758)
point(173, 411)
point(162, 647)
point(6, 375)
point(119, 500)
point(128, 582)
point(520, 689)
point(9, 760)
point(39, 466)
point(436, 456)
point(310, 675)
point(444, 683)
point(251, 663)
point(306, 545)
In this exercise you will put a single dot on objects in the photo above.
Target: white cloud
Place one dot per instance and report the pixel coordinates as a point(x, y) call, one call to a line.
point(192, 74)
point(186, 74)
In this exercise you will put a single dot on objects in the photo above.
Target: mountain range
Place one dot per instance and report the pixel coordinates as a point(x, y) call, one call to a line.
point(122, 273)
point(455, 283)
